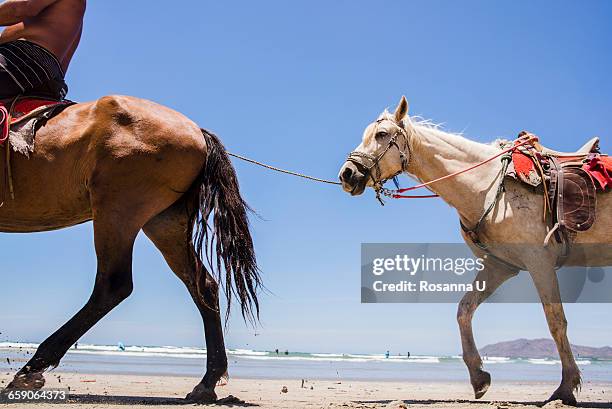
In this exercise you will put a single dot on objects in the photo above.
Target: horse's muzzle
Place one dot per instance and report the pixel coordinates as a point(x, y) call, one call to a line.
point(353, 179)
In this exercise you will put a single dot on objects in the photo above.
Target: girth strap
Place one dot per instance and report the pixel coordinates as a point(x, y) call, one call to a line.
point(473, 232)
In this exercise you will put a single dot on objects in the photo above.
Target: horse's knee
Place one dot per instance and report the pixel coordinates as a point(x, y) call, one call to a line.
point(465, 311)
point(554, 312)
point(117, 288)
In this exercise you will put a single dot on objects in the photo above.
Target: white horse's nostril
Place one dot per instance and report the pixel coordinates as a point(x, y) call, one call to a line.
point(346, 174)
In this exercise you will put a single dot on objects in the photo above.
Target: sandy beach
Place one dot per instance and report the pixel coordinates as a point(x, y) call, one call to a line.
point(114, 391)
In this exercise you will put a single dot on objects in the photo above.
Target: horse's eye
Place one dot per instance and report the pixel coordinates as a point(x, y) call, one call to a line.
point(381, 135)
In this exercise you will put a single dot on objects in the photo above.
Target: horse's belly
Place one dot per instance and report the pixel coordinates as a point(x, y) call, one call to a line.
point(34, 218)
point(49, 193)
point(20, 222)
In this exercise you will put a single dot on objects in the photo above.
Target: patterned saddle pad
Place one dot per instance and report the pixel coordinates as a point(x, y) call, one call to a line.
point(20, 120)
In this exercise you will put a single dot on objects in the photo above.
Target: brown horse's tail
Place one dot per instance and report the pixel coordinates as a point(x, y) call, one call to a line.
point(229, 241)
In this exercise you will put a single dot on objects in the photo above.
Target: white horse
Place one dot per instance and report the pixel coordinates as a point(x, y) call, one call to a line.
point(396, 143)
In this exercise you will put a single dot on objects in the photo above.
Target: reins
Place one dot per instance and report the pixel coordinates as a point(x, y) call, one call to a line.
point(396, 194)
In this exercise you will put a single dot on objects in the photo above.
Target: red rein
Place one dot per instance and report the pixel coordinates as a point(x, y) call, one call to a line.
point(395, 194)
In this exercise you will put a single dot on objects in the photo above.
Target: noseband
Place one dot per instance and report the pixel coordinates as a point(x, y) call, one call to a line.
point(372, 163)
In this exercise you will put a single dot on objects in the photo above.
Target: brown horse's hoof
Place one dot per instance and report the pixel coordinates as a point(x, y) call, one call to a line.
point(27, 381)
point(481, 382)
point(567, 398)
point(202, 394)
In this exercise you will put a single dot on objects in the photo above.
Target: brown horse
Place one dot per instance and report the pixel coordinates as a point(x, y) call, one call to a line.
point(129, 164)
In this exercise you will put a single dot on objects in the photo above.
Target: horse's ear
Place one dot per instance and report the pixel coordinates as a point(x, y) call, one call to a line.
point(402, 109)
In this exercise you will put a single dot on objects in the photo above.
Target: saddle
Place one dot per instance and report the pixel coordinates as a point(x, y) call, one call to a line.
point(589, 147)
point(569, 180)
point(14, 113)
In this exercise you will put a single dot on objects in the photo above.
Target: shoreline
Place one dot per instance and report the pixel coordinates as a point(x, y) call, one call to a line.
point(249, 364)
point(110, 391)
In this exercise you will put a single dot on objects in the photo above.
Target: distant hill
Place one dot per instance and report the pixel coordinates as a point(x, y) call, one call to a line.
point(541, 348)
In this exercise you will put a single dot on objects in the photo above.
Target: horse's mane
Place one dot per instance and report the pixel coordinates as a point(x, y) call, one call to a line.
point(414, 121)
point(419, 123)
point(500, 142)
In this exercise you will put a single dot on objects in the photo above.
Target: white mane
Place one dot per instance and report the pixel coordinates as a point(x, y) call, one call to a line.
point(426, 127)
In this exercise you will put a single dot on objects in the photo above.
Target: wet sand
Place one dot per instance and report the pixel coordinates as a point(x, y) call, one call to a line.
point(115, 391)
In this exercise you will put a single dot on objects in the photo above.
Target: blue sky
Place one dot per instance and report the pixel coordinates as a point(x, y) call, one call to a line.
point(294, 84)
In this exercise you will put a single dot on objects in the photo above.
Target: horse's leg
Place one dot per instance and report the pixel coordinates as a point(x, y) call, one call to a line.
point(494, 274)
point(169, 232)
point(545, 280)
point(114, 239)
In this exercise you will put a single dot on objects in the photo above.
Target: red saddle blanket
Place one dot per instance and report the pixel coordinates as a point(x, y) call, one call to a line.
point(600, 169)
point(598, 166)
point(22, 109)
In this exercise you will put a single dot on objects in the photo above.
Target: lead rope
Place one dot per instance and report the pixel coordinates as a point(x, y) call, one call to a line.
point(288, 172)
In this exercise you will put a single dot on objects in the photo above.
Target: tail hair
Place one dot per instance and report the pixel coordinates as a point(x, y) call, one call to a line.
point(227, 244)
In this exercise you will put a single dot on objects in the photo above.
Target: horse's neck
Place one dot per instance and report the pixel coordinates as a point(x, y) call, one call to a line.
point(436, 153)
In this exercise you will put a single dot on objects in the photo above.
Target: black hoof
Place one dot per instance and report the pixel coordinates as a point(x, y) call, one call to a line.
point(202, 394)
point(481, 382)
point(567, 398)
point(27, 381)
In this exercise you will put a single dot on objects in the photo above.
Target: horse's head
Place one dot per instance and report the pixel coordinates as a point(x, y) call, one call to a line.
point(382, 154)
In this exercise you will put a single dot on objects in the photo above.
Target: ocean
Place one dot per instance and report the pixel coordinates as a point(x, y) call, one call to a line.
point(246, 363)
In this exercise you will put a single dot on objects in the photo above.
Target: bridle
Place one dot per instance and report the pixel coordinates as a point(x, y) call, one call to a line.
point(375, 172)
point(372, 164)
point(472, 233)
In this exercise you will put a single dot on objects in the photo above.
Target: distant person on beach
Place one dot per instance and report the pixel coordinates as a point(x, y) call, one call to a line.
point(408, 354)
point(276, 351)
point(76, 345)
point(387, 354)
